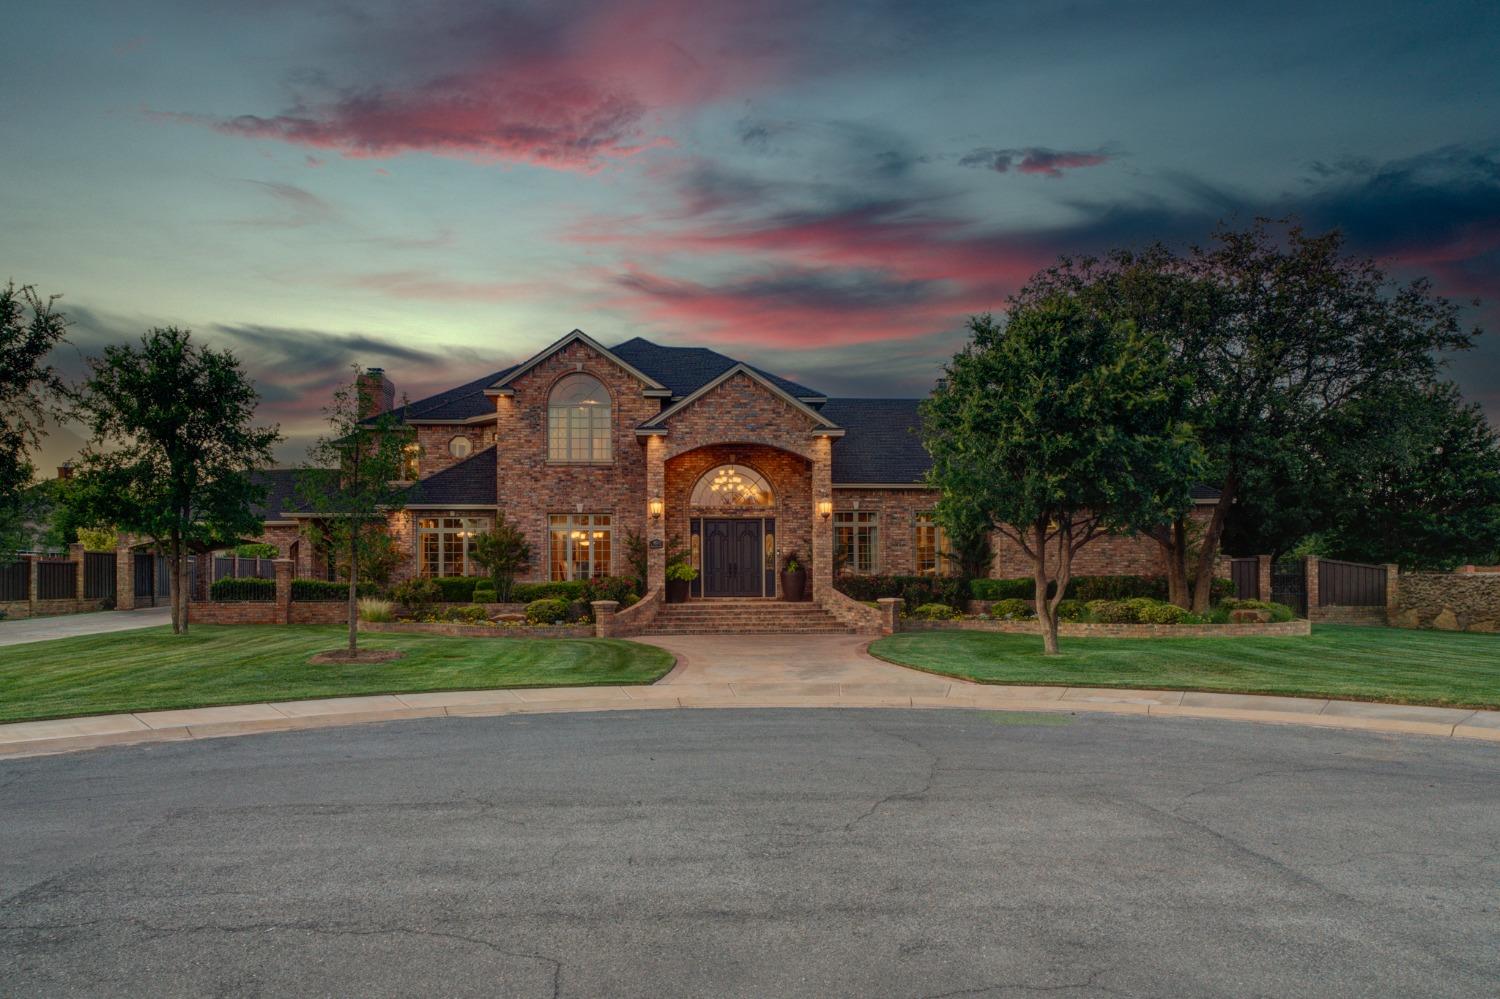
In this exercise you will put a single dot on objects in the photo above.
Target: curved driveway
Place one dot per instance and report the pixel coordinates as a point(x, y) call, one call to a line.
point(757, 852)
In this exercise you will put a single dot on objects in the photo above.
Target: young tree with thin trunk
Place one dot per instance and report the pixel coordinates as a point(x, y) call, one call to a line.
point(354, 479)
point(30, 390)
point(173, 448)
point(1058, 427)
point(504, 553)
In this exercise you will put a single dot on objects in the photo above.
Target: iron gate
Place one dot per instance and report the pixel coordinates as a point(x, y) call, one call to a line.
point(1289, 584)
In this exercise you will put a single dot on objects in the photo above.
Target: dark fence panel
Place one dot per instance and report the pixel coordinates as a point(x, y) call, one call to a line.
point(231, 567)
point(1246, 575)
point(98, 575)
point(56, 579)
point(15, 579)
point(1350, 584)
point(1289, 584)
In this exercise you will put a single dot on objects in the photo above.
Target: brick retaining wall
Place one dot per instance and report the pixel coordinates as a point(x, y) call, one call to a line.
point(478, 630)
point(1074, 629)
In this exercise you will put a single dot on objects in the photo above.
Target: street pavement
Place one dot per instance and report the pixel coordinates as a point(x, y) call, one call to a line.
point(813, 852)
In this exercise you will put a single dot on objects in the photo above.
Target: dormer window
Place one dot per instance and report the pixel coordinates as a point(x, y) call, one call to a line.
point(578, 421)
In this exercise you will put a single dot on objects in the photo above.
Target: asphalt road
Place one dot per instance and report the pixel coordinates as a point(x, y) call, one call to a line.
point(757, 853)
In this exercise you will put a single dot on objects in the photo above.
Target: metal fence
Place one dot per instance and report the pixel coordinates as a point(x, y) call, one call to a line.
point(1289, 584)
point(99, 575)
point(230, 566)
point(56, 579)
point(1350, 584)
point(15, 579)
point(1245, 572)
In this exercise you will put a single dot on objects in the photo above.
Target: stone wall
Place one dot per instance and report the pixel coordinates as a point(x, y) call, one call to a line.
point(1447, 601)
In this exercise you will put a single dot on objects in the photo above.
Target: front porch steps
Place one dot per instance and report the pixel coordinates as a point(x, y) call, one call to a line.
point(746, 617)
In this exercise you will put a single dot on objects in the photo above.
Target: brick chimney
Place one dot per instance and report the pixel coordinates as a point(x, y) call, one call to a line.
point(65, 470)
point(379, 395)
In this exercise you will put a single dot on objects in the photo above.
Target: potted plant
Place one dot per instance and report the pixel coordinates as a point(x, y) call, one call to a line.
point(680, 577)
point(793, 578)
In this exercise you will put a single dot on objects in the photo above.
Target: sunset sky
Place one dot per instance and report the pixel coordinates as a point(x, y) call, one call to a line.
point(826, 189)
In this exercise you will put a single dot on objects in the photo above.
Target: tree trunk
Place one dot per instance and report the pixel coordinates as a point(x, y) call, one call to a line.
point(1203, 585)
point(1046, 611)
point(174, 581)
point(354, 590)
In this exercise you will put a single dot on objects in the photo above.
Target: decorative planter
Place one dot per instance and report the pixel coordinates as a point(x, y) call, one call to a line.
point(793, 585)
point(677, 590)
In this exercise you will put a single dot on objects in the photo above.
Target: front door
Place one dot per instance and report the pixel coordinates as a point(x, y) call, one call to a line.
point(732, 558)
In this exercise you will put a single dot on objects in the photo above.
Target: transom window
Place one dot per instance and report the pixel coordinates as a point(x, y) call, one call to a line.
point(580, 545)
point(446, 545)
point(578, 420)
point(930, 545)
point(856, 542)
point(733, 486)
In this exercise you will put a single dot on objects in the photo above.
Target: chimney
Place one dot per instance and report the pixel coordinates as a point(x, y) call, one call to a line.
point(65, 470)
point(377, 394)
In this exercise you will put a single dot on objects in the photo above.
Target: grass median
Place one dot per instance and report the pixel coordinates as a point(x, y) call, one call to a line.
point(1365, 664)
point(152, 669)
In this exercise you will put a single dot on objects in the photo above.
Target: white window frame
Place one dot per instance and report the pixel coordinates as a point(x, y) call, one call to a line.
point(579, 434)
point(592, 532)
point(443, 529)
point(861, 528)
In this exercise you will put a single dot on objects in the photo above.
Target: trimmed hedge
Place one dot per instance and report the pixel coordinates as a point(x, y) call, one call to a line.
point(323, 591)
point(1087, 588)
point(1012, 609)
point(915, 590)
point(569, 589)
point(548, 610)
point(936, 612)
point(242, 588)
point(485, 593)
point(456, 589)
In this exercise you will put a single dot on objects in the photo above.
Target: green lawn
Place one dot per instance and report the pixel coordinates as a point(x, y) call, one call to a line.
point(1367, 664)
point(235, 664)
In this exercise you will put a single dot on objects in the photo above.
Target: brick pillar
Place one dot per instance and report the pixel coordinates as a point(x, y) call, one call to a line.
point(604, 617)
point(656, 529)
point(890, 614)
point(75, 552)
point(822, 527)
point(32, 571)
point(124, 577)
point(1392, 590)
point(283, 590)
point(1310, 569)
point(1263, 577)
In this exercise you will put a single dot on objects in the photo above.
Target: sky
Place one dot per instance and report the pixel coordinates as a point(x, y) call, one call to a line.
point(826, 189)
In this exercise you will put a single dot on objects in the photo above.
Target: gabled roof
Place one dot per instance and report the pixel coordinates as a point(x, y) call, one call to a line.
point(471, 482)
point(684, 370)
point(825, 425)
point(460, 403)
point(280, 485)
point(882, 441)
point(577, 336)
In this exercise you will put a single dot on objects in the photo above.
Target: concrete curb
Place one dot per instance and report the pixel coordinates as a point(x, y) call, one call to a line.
point(39, 738)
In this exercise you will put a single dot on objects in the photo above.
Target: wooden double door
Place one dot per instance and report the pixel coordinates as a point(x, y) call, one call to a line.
point(733, 558)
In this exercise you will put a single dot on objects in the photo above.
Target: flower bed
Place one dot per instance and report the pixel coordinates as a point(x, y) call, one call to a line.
point(1071, 629)
point(491, 630)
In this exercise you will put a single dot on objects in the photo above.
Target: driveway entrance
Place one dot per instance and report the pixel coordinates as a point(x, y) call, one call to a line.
point(788, 659)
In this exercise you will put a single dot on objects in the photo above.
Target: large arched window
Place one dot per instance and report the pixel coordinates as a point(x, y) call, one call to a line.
point(734, 487)
point(578, 420)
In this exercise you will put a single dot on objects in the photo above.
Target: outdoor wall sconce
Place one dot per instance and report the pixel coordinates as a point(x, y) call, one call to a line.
point(825, 508)
point(655, 506)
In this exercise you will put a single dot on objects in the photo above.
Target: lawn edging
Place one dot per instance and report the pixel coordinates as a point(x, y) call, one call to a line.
point(1091, 629)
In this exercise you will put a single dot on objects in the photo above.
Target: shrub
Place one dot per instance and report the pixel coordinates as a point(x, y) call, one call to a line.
point(374, 609)
point(936, 612)
point(548, 610)
point(257, 550)
point(467, 614)
point(681, 572)
point(1011, 609)
point(242, 588)
point(1072, 610)
point(484, 592)
point(1163, 613)
point(456, 589)
point(417, 594)
point(323, 591)
point(1111, 611)
point(620, 589)
point(915, 590)
point(1019, 588)
point(579, 612)
point(568, 589)
point(1278, 612)
point(1087, 588)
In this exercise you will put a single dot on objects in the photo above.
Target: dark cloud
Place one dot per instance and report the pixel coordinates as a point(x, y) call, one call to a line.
point(1034, 159)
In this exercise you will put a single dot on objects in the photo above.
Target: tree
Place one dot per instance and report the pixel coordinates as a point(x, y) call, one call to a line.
point(172, 450)
point(504, 553)
point(1054, 429)
point(969, 548)
point(30, 390)
point(353, 480)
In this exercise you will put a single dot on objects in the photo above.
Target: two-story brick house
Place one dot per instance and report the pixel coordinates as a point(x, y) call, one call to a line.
point(582, 444)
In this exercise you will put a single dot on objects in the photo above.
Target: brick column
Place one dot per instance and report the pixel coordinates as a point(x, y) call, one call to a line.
point(822, 527)
point(890, 614)
point(283, 590)
point(604, 617)
point(656, 529)
point(75, 552)
point(1263, 577)
point(32, 571)
point(1310, 569)
point(1392, 590)
point(124, 577)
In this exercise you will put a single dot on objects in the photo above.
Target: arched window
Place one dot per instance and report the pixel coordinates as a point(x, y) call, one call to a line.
point(734, 487)
point(578, 420)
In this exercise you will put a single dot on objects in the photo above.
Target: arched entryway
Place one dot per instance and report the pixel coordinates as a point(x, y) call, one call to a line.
point(733, 530)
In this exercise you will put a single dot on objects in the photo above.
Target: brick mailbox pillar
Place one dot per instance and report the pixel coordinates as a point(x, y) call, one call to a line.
point(890, 614)
point(283, 590)
point(124, 578)
point(76, 553)
point(1263, 577)
point(604, 617)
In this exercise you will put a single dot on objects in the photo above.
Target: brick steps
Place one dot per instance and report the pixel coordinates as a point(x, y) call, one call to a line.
point(746, 617)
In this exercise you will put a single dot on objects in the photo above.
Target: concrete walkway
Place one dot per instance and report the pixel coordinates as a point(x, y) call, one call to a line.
point(42, 629)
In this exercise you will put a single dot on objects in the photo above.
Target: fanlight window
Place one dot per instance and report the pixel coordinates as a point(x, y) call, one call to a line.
point(578, 420)
point(733, 486)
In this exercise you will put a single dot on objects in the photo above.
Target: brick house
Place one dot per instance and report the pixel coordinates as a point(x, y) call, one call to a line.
point(583, 444)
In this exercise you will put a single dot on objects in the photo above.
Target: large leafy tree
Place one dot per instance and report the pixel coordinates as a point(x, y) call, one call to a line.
point(30, 390)
point(173, 448)
point(1056, 428)
point(353, 480)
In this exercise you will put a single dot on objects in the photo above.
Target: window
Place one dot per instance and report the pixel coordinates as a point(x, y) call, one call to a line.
point(734, 487)
point(411, 463)
point(580, 545)
point(446, 545)
point(856, 542)
point(460, 447)
point(578, 421)
point(930, 545)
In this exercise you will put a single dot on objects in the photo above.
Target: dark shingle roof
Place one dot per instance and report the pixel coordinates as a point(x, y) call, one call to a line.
point(471, 482)
point(684, 370)
point(456, 403)
point(881, 442)
point(280, 485)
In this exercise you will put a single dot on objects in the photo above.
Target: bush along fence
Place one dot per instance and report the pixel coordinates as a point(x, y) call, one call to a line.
point(34, 584)
point(277, 600)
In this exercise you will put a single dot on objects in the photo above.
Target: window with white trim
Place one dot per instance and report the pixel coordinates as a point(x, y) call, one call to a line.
point(445, 545)
point(580, 545)
point(578, 420)
point(929, 545)
point(856, 542)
